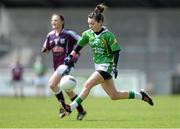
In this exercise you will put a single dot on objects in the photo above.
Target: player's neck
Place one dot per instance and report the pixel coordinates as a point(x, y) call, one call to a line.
point(58, 31)
point(99, 31)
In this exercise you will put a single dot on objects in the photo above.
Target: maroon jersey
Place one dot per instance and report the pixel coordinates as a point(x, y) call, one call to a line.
point(60, 45)
point(17, 72)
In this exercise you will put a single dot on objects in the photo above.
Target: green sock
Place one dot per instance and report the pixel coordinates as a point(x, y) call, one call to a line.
point(131, 95)
point(78, 100)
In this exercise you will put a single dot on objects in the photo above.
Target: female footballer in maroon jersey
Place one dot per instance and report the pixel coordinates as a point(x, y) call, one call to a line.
point(17, 78)
point(61, 41)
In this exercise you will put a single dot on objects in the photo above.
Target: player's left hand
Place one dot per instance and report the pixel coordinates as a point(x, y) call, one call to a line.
point(115, 71)
point(69, 61)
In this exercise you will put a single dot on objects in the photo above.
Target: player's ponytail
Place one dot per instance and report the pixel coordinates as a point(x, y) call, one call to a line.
point(62, 19)
point(99, 8)
point(97, 13)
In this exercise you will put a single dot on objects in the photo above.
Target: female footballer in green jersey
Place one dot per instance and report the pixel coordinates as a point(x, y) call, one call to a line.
point(105, 56)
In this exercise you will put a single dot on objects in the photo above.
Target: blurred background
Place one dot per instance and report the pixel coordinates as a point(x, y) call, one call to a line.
point(148, 32)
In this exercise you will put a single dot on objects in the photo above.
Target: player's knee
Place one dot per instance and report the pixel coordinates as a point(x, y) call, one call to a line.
point(87, 85)
point(51, 84)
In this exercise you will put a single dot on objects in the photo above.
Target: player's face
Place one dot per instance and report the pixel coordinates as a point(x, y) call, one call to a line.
point(94, 25)
point(56, 22)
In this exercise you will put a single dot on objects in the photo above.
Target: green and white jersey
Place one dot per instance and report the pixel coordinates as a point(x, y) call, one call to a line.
point(103, 45)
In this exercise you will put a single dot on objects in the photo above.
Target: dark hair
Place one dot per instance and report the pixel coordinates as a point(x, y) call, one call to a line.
point(62, 19)
point(97, 13)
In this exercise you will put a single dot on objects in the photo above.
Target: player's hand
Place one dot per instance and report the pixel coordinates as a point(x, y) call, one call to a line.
point(69, 61)
point(43, 50)
point(76, 57)
point(115, 71)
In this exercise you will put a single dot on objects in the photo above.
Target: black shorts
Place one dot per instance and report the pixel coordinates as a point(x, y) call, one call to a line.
point(104, 74)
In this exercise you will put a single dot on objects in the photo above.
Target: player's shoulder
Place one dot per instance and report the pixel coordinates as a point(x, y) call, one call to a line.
point(69, 31)
point(87, 32)
point(72, 33)
point(109, 33)
point(106, 30)
point(50, 33)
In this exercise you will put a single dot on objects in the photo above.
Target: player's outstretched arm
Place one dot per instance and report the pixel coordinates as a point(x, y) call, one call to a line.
point(43, 50)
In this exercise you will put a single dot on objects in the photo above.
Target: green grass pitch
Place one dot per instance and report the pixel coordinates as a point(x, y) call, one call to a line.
point(33, 112)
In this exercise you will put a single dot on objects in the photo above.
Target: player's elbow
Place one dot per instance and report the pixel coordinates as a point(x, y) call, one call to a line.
point(43, 50)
